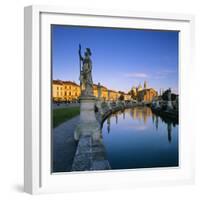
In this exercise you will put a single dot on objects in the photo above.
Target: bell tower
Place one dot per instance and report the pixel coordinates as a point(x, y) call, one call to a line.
point(145, 84)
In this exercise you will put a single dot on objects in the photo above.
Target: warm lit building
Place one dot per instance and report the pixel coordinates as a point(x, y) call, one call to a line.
point(65, 91)
point(104, 93)
point(143, 94)
point(95, 90)
point(124, 96)
point(57, 90)
point(127, 97)
point(113, 95)
point(146, 95)
point(70, 91)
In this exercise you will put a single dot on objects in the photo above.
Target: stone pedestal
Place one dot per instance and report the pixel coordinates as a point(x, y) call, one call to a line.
point(98, 104)
point(88, 125)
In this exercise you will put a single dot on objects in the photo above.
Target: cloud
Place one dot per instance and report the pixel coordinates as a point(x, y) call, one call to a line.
point(136, 75)
point(163, 74)
point(166, 72)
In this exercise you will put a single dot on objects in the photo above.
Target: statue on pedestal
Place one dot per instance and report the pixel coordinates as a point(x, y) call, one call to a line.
point(169, 94)
point(86, 82)
point(88, 125)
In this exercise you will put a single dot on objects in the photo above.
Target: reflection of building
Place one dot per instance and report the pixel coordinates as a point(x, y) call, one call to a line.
point(141, 113)
point(65, 91)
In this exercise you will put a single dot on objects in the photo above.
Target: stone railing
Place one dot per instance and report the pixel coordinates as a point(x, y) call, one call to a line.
point(90, 153)
point(107, 108)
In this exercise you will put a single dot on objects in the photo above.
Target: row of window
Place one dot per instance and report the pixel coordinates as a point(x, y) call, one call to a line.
point(67, 88)
point(66, 94)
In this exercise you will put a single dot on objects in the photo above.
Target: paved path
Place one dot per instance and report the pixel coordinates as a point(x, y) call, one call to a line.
point(64, 145)
point(64, 105)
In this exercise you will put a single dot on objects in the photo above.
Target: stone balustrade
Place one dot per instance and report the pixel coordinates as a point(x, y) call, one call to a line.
point(90, 153)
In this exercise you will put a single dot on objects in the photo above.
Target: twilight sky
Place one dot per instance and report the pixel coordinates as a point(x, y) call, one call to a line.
point(121, 58)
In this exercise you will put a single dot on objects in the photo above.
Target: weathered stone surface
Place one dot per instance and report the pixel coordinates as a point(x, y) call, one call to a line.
point(90, 155)
point(84, 145)
point(83, 156)
point(100, 165)
point(88, 123)
point(82, 162)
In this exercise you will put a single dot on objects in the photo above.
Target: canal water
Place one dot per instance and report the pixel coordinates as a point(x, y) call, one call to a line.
point(137, 138)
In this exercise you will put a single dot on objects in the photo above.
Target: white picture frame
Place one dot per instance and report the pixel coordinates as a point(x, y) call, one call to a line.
point(37, 137)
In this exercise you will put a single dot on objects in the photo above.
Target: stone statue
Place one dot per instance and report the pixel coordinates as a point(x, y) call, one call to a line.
point(86, 73)
point(88, 124)
point(169, 102)
point(169, 94)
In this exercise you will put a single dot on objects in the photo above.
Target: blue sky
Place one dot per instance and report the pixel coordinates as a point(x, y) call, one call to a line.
point(121, 58)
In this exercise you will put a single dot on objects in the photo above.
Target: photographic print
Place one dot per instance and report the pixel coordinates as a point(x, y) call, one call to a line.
point(114, 98)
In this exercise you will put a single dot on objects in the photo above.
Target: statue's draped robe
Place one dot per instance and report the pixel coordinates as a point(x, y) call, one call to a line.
point(86, 77)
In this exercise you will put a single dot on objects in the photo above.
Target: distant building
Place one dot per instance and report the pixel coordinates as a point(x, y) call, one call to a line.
point(65, 90)
point(139, 88)
point(57, 90)
point(114, 95)
point(143, 94)
point(70, 91)
point(106, 94)
point(127, 97)
point(147, 95)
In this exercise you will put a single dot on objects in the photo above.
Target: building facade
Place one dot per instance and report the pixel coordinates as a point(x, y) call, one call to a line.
point(147, 95)
point(143, 94)
point(65, 91)
point(70, 91)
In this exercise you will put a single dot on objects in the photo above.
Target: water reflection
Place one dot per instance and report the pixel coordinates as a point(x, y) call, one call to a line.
point(131, 141)
point(108, 124)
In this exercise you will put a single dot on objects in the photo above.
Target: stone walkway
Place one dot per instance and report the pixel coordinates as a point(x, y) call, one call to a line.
point(64, 145)
point(64, 105)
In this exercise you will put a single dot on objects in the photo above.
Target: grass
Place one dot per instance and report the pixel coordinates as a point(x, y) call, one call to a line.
point(63, 114)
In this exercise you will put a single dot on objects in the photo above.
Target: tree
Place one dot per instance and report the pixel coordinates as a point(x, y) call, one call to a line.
point(121, 97)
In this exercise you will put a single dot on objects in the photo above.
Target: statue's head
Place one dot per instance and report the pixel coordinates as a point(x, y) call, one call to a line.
point(88, 52)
